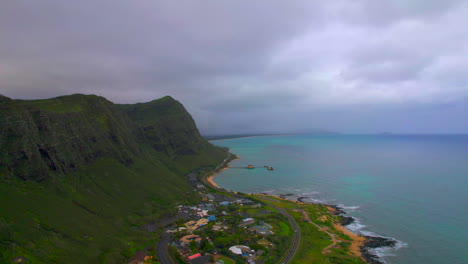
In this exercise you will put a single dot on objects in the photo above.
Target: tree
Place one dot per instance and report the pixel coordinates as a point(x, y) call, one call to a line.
point(205, 245)
point(193, 246)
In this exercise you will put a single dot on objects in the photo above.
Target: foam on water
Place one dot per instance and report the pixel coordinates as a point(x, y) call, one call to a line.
point(382, 252)
point(314, 200)
point(358, 228)
point(348, 208)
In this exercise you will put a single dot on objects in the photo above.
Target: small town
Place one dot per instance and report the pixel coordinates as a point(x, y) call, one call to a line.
point(224, 229)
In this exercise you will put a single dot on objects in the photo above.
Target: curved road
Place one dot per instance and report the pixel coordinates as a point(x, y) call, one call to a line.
point(161, 248)
point(165, 238)
point(297, 233)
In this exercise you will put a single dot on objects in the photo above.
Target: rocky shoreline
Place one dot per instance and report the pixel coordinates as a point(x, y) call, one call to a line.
point(371, 242)
point(375, 242)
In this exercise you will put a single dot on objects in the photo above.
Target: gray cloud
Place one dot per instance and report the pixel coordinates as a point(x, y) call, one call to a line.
point(254, 66)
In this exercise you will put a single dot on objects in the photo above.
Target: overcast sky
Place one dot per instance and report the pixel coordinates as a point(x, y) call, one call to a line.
point(353, 66)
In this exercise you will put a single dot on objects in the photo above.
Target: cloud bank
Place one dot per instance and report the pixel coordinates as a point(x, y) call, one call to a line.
point(253, 66)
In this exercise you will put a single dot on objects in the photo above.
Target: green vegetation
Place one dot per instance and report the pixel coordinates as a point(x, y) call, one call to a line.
point(285, 229)
point(80, 177)
point(314, 241)
point(227, 260)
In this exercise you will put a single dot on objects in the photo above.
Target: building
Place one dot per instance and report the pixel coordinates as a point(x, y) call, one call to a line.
point(220, 226)
point(265, 242)
point(247, 221)
point(263, 229)
point(240, 250)
point(189, 238)
point(194, 225)
point(194, 256)
point(200, 259)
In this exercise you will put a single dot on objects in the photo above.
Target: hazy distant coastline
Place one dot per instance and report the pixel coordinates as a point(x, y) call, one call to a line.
point(222, 137)
point(233, 136)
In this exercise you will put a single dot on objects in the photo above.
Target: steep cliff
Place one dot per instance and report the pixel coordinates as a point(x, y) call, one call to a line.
point(158, 118)
point(41, 137)
point(79, 174)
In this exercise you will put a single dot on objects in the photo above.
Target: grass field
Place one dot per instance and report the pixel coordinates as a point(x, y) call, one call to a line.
point(227, 260)
point(313, 241)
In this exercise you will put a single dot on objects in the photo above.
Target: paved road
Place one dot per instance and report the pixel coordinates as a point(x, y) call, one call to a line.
point(297, 233)
point(161, 248)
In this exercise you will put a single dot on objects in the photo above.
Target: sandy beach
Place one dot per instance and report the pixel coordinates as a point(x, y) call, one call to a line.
point(210, 178)
point(356, 244)
point(357, 240)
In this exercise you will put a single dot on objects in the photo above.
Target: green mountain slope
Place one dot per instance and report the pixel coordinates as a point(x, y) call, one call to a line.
point(80, 175)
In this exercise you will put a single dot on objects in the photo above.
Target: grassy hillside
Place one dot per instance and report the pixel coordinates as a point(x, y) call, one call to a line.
point(80, 175)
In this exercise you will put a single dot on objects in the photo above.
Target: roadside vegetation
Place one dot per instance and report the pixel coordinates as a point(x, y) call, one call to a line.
point(313, 240)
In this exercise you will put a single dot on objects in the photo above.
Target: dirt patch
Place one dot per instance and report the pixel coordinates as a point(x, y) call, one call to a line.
point(356, 243)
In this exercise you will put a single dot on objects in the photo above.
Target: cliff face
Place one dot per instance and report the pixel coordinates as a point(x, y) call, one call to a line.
point(56, 135)
point(167, 126)
point(79, 175)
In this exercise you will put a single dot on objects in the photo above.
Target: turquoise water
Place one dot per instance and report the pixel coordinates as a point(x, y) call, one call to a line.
point(411, 188)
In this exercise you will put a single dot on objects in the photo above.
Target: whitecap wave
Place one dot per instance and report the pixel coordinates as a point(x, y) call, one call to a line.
point(349, 208)
point(358, 228)
point(317, 201)
point(313, 200)
point(310, 193)
point(296, 190)
point(388, 251)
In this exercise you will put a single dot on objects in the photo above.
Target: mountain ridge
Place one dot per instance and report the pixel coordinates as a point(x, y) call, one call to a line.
point(79, 173)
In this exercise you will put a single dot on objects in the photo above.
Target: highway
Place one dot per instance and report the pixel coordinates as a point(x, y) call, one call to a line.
point(297, 233)
point(161, 248)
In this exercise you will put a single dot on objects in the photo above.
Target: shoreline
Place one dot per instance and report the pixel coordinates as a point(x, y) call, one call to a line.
point(358, 247)
point(210, 178)
point(250, 136)
point(358, 241)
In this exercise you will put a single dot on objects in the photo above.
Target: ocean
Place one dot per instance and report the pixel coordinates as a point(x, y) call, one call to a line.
point(413, 188)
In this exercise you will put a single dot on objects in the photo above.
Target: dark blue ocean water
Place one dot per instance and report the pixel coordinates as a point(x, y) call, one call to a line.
point(413, 188)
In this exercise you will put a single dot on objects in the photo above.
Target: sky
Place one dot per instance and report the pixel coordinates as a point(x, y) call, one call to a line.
point(262, 66)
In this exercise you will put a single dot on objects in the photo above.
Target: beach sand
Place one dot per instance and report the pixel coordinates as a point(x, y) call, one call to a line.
point(356, 244)
point(210, 179)
point(211, 182)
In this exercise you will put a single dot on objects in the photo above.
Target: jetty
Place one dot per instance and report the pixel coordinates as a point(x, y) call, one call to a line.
point(253, 167)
